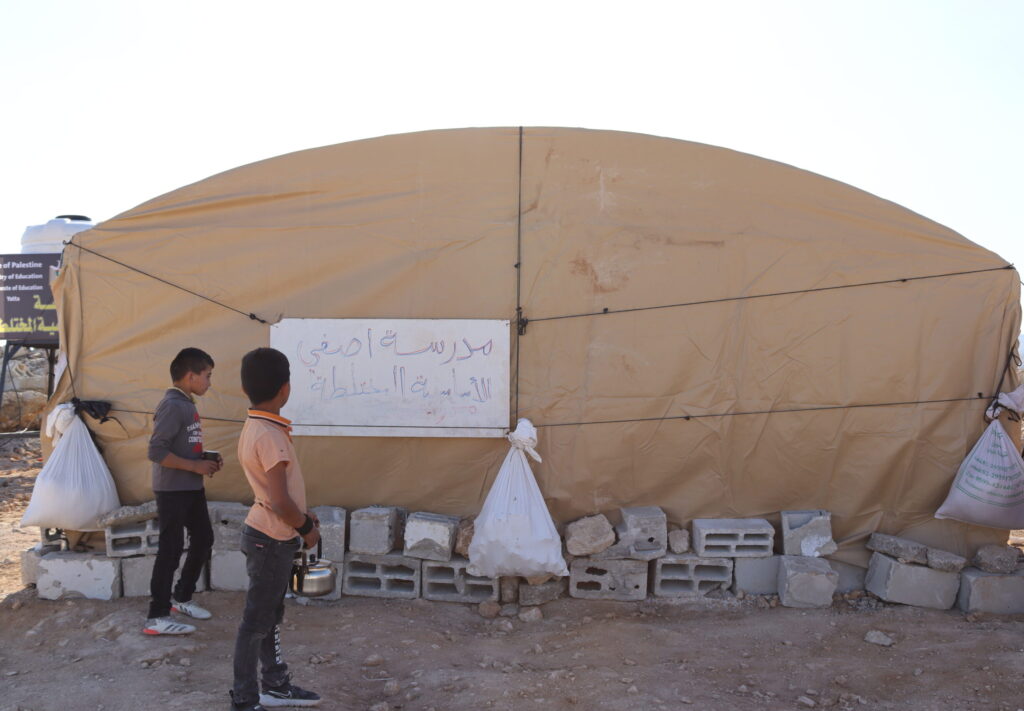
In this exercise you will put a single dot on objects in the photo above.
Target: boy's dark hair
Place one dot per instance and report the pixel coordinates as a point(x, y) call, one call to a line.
point(189, 360)
point(264, 373)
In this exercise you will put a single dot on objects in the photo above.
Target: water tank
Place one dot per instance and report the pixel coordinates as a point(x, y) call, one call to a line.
point(51, 236)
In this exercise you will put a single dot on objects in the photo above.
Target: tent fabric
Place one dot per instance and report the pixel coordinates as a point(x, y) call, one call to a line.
point(433, 224)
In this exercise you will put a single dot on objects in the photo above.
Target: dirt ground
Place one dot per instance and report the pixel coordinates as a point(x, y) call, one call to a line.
point(364, 653)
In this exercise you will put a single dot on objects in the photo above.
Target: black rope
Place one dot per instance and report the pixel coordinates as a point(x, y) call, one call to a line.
point(519, 270)
point(979, 396)
point(762, 296)
point(252, 316)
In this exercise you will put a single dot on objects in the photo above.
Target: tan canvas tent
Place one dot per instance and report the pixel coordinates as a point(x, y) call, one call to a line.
point(830, 349)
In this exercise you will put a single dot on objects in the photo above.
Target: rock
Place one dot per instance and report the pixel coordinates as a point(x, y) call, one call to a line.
point(488, 609)
point(382, 706)
point(504, 625)
point(679, 540)
point(806, 701)
point(390, 687)
point(996, 559)
point(374, 660)
point(899, 548)
point(464, 536)
point(531, 614)
point(589, 535)
point(945, 561)
point(879, 638)
point(509, 610)
point(545, 592)
point(21, 410)
point(129, 514)
point(508, 586)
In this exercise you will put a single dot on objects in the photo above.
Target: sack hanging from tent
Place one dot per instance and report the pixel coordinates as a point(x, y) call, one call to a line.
point(75, 487)
point(514, 533)
point(989, 487)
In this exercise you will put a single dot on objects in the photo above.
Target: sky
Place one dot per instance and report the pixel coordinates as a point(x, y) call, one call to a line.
point(108, 104)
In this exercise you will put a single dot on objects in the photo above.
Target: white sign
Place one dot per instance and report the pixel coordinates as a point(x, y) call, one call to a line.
point(396, 377)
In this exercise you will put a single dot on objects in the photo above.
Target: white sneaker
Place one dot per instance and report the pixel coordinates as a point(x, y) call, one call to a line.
point(190, 609)
point(165, 625)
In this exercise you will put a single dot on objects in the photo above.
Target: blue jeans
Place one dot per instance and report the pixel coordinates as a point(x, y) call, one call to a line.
point(269, 564)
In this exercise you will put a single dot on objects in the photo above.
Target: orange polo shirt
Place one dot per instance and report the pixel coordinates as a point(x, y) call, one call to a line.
point(264, 442)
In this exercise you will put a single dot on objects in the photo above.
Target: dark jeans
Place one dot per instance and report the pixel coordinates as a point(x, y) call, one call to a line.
point(269, 564)
point(179, 511)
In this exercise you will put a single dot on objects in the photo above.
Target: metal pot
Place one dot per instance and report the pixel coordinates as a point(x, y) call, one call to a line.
point(312, 575)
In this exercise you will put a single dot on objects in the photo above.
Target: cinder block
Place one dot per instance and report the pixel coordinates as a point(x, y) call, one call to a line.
point(543, 593)
point(991, 592)
point(139, 538)
point(137, 571)
point(851, 577)
point(807, 533)
point(448, 581)
point(332, 532)
point(227, 519)
point(910, 584)
point(689, 575)
point(228, 571)
point(899, 548)
point(806, 582)
point(390, 575)
point(643, 535)
point(430, 536)
point(69, 574)
point(621, 579)
point(733, 537)
point(30, 561)
point(374, 530)
point(756, 576)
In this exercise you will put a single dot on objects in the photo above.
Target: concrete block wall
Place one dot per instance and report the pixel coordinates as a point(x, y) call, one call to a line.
point(374, 530)
point(910, 584)
point(689, 575)
point(138, 538)
point(227, 570)
point(137, 571)
point(66, 574)
point(620, 579)
point(733, 537)
point(1001, 594)
point(449, 581)
point(388, 575)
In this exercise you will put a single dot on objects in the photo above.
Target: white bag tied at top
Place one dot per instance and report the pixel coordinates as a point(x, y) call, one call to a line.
point(514, 533)
point(989, 487)
point(75, 487)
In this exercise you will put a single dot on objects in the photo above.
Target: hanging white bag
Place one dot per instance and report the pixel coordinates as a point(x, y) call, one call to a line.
point(514, 533)
point(75, 487)
point(989, 487)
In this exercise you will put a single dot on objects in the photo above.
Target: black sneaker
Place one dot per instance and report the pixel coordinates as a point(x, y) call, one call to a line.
point(251, 706)
point(288, 695)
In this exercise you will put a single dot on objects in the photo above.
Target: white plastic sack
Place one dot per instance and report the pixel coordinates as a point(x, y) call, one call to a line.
point(989, 488)
point(514, 533)
point(58, 421)
point(75, 487)
point(1010, 401)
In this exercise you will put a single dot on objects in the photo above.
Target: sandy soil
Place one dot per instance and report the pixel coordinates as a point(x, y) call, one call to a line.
point(363, 653)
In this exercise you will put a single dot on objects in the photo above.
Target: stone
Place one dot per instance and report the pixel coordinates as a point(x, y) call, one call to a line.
point(589, 535)
point(880, 638)
point(688, 575)
point(509, 588)
point(21, 410)
point(30, 562)
point(374, 530)
point(851, 577)
point(642, 535)
point(899, 548)
point(733, 537)
point(995, 593)
point(543, 593)
point(430, 536)
point(910, 584)
point(945, 561)
point(464, 536)
point(679, 541)
point(531, 614)
point(806, 582)
point(228, 571)
point(333, 520)
point(756, 576)
point(509, 610)
point(488, 609)
point(129, 514)
point(807, 533)
point(608, 579)
point(66, 574)
point(996, 559)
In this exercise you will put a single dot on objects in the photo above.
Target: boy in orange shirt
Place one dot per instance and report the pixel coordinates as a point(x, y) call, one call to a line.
point(276, 528)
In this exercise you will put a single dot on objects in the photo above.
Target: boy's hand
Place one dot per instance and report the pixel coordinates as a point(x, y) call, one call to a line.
point(311, 538)
point(205, 467)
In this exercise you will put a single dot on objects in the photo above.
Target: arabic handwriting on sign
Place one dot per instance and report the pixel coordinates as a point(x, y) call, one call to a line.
point(333, 391)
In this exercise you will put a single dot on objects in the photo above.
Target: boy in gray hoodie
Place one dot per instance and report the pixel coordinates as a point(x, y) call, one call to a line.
point(176, 451)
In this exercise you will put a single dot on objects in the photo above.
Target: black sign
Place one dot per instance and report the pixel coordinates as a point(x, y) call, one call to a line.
point(27, 312)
